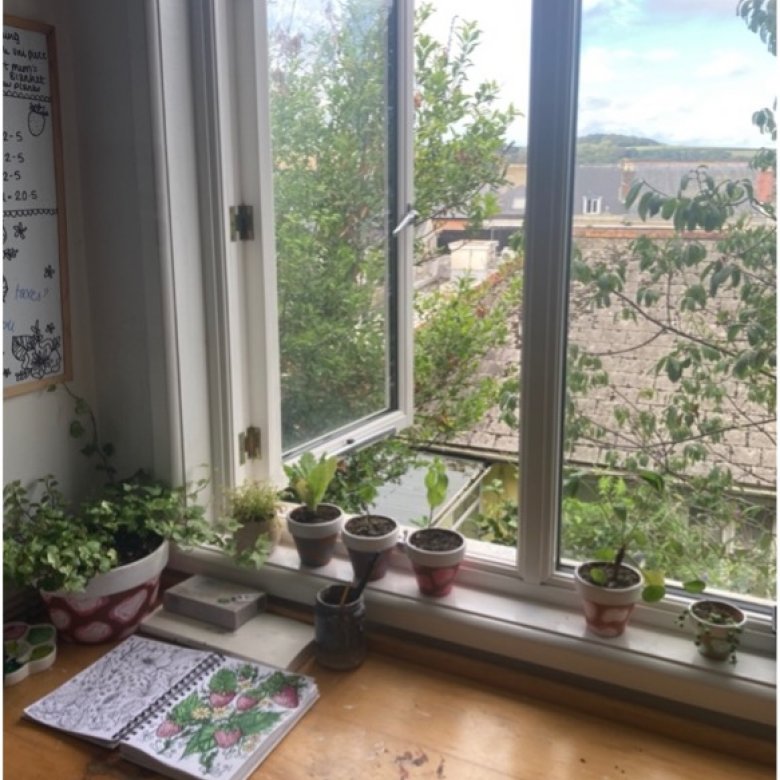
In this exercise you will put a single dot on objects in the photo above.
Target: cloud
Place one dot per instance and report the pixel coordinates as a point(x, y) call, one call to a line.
point(724, 64)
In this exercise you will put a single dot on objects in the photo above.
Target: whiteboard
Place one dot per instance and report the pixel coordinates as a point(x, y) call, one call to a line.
point(36, 322)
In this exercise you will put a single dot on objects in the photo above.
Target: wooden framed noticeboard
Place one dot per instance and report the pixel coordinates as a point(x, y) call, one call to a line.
point(36, 321)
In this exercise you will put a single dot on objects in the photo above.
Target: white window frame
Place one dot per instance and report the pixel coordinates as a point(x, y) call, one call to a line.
point(196, 71)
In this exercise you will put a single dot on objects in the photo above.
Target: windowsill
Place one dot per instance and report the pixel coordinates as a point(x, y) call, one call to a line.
point(648, 660)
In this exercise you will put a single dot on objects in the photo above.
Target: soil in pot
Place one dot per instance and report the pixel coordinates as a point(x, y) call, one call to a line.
point(436, 540)
point(623, 578)
point(377, 534)
point(322, 514)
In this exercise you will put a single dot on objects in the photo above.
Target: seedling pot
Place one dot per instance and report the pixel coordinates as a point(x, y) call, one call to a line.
point(339, 630)
point(113, 604)
point(607, 609)
point(718, 626)
point(435, 567)
point(366, 535)
point(315, 534)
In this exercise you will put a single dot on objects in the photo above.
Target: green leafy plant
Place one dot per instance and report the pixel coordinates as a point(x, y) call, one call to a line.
point(253, 508)
point(52, 545)
point(436, 482)
point(309, 478)
point(718, 627)
point(624, 536)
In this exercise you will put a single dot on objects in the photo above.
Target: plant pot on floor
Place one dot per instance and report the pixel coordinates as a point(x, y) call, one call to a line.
point(435, 555)
point(718, 626)
point(366, 535)
point(608, 608)
point(315, 532)
point(113, 603)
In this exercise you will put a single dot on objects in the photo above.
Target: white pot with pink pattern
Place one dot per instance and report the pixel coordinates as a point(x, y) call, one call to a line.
point(607, 609)
point(113, 603)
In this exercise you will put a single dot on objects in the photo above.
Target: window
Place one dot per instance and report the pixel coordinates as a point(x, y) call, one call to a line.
point(334, 183)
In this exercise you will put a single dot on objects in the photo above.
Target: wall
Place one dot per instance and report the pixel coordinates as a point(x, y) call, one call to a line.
point(113, 253)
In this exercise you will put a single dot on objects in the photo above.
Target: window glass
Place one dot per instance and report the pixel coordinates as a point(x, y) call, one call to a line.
point(333, 151)
point(670, 404)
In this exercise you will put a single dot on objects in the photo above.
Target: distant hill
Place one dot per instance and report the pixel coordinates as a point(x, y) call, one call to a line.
point(611, 148)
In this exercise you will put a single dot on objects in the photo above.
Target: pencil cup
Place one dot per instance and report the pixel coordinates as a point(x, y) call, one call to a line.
point(340, 639)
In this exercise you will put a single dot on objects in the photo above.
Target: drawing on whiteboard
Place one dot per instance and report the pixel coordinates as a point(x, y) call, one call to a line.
point(39, 356)
point(36, 119)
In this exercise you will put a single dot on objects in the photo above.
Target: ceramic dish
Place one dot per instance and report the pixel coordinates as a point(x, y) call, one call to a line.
point(27, 649)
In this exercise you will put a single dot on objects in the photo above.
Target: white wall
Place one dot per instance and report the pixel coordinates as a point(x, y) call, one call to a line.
point(112, 252)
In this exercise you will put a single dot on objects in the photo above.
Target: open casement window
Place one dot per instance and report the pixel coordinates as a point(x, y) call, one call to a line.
point(306, 116)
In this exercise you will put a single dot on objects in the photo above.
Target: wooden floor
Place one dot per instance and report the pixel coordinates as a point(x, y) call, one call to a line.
point(396, 720)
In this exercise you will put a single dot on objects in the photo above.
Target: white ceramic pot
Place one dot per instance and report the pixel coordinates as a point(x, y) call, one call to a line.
point(363, 549)
point(315, 541)
point(113, 603)
point(713, 639)
point(435, 570)
point(607, 610)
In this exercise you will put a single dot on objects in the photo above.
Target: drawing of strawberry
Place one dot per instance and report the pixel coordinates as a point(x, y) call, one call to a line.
point(227, 738)
point(36, 119)
point(168, 729)
point(222, 688)
point(282, 689)
point(247, 700)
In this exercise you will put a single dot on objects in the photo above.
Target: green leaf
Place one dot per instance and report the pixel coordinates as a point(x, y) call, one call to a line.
point(694, 586)
point(653, 593)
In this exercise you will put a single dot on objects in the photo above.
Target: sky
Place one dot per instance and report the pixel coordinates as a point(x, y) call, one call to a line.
point(685, 72)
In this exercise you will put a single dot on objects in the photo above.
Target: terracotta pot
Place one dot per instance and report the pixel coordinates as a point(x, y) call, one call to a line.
point(246, 536)
point(315, 539)
point(363, 548)
point(714, 639)
point(113, 603)
point(435, 570)
point(607, 610)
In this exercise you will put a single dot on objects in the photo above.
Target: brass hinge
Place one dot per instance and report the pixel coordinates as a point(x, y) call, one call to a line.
point(242, 223)
point(249, 444)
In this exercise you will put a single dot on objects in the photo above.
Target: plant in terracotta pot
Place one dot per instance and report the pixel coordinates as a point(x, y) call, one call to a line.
point(97, 565)
point(314, 525)
point(435, 553)
point(611, 585)
point(254, 508)
point(718, 626)
point(366, 535)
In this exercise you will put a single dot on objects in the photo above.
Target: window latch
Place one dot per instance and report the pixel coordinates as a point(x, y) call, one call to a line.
point(406, 220)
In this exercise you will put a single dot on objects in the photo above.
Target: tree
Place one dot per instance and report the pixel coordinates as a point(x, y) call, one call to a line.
point(330, 160)
point(708, 294)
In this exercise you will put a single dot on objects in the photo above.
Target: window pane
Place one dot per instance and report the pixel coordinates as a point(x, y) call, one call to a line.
point(671, 357)
point(332, 151)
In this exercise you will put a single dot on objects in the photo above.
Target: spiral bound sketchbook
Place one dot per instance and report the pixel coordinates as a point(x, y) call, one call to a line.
point(184, 713)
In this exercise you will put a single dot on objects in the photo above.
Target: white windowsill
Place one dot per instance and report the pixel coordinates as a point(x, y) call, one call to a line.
point(648, 660)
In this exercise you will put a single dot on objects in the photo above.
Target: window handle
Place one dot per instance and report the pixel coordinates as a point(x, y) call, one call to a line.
point(406, 220)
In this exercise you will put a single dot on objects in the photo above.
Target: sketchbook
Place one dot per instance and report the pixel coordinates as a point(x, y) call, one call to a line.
point(182, 712)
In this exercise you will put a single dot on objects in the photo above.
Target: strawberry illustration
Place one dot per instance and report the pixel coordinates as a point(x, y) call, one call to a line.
point(227, 738)
point(286, 696)
point(168, 729)
point(222, 688)
point(36, 119)
point(246, 701)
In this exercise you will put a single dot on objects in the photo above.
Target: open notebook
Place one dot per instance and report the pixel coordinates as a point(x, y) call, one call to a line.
point(182, 712)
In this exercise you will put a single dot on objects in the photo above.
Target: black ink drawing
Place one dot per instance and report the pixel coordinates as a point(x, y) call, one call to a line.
point(20, 230)
point(50, 328)
point(5, 234)
point(36, 119)
point(6, 372)
point(38, 355)
point(5, 287)
point(9, 253)
point(48, 272)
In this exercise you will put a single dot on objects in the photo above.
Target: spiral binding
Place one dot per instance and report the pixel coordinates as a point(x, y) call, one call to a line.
point(208, 664)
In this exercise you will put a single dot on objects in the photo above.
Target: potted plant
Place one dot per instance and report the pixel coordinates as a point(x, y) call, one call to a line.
point(98, 565)
point(254, 507)
point(314, 525)
point(366, 535)
point(718, 627)
point(611, 585)
point(435, 553)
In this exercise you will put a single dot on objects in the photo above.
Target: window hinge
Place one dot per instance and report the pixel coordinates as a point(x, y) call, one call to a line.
point(249, 444)
point(242, 223)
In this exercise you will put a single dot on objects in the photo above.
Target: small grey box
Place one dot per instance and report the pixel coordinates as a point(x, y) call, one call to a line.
point(225, 604)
